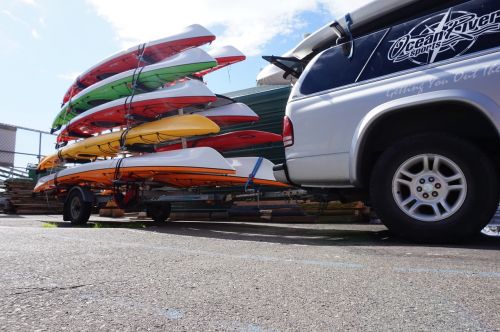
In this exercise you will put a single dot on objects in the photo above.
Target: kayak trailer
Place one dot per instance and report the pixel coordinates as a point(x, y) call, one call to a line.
point(81, 201)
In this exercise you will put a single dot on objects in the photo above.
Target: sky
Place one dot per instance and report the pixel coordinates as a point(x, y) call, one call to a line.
point(45, 44)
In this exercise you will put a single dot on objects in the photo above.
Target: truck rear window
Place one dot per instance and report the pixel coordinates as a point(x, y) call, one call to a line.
point(333, 68)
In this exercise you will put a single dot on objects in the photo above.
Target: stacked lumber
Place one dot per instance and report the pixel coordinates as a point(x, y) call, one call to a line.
point(21, 200)
point(335, 211)
point(288, 211)
point(273, 210)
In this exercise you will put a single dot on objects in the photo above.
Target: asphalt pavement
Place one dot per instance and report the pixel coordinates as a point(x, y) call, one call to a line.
point(236, 276)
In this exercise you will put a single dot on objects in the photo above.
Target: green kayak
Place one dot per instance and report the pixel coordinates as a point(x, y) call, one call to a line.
point(147, 79)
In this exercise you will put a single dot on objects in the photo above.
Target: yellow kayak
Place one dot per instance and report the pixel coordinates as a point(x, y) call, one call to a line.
point(109, 145)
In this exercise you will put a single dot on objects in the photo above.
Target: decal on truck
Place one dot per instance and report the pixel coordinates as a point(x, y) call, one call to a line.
point(452, 32)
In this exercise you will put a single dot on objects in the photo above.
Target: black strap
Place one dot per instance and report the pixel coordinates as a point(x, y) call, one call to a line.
point(123, 138)
point(129, 99)
point(140, 54)
point(127, 105)
point(138, 69)
point(101, 149)
point(158, 138)
point(135, 78)
point(117, 169)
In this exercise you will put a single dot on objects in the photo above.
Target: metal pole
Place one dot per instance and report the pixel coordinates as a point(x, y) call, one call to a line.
point(183, 139)
point(24, 128)
point(23, 153)
point(39, 146)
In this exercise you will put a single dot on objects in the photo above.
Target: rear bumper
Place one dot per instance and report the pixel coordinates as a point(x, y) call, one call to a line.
point(281, 174)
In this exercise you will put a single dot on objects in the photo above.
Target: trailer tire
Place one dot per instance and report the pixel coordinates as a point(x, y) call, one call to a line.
point(76, 209)
point(434, 188)
point(158, 212)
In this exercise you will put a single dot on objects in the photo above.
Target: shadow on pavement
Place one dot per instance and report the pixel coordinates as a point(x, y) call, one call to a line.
point(98, 224)
point(294, 234)
point(283, 233)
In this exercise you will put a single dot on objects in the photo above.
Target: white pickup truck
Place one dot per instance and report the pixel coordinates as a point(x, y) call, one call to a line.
point(398, 103)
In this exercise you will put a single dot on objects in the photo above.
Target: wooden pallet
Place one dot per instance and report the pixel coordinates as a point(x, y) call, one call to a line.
point(22, 200)
point(335, 211)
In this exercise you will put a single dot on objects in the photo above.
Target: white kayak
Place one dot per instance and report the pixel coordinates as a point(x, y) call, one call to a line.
point(181, 168)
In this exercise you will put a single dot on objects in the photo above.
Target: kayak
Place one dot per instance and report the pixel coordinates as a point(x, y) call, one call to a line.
point(225, 56)
point(146, 79)
point(103, 173)
point(140, 108)
point(141, 55)
point(230, 114)
point(244, 167)
point(182, 168)
point(235, 140)
point(84, 126)
point(109, 145)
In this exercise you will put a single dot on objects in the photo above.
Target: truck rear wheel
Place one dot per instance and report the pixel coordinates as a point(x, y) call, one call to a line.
point(434, 188)
point(77, 210)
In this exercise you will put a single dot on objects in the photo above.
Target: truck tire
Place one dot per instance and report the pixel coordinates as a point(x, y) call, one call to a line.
point(434, 188)
point(76, 209)
point(158, 212)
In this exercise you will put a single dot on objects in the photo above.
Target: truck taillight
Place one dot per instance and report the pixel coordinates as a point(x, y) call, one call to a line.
point(287, 132)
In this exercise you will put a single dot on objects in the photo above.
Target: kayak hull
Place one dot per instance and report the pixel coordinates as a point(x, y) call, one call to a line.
point(230, 114)
point(109, 145)
point(228, 142)
point(152, 52)
point(146, 106)
point(182, 168)
point(225, 56)
point(105, 117)
point(102, 173)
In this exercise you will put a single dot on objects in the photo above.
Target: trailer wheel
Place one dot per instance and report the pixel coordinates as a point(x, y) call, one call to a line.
point(76, 209)
point(434, 188)
point(158, 212)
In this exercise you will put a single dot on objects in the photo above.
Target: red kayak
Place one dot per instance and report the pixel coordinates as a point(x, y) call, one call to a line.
point(230, 114)
point(227, 142)
point(225, 56)
point(193, 96)
point(140, 108)
point(141, 55)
